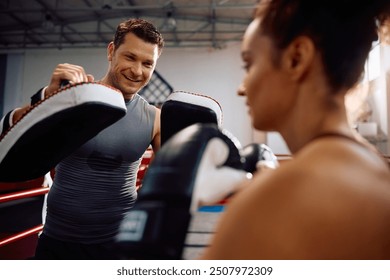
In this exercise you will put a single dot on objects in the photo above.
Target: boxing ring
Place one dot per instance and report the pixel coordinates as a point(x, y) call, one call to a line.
point(26, 199)
point(21, 217)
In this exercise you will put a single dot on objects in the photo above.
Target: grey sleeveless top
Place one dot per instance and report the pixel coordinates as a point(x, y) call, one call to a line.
point(95, 185)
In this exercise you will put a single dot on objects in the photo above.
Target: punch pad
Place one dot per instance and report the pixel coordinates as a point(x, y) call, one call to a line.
point(55, 127)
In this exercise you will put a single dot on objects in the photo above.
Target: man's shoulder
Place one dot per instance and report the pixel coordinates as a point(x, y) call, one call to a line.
point(141, 102)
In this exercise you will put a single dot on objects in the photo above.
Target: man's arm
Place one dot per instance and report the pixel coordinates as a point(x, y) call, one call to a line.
point(156, 141)
point(16, 114)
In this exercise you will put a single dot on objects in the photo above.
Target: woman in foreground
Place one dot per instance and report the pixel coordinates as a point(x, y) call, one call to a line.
point(332, 200)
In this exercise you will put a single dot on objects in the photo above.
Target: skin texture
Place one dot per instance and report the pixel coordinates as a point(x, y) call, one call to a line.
point(332, 200)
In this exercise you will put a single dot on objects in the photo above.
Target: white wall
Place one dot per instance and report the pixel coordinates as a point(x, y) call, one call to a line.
point(39, 65)
point(216, 73)
point(14, 82)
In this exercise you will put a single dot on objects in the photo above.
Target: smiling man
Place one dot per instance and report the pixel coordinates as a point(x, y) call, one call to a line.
point(95, 185)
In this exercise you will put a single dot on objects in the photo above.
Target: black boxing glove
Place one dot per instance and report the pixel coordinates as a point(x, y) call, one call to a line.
point(258, 157)
point(202, 161)
point(198, 165)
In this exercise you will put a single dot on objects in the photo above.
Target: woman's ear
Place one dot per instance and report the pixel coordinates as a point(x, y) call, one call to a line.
point(299, 56)
point(110, 51)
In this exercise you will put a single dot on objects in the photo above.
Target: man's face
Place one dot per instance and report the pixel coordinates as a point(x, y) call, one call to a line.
point(131, 64)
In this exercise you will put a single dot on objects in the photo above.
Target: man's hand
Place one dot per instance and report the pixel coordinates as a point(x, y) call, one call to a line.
point(68, 72)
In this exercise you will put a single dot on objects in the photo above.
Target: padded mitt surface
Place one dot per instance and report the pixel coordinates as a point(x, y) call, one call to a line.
point(55, 127)
point(183, 109)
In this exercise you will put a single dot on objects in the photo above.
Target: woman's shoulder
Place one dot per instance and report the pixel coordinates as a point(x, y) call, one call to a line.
point(342, 160)
point(325, 175)
point(310, 201)
point(317, 175)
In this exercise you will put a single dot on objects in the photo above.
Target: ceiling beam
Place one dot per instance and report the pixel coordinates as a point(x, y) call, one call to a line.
point(92, 23)
point(136, 8)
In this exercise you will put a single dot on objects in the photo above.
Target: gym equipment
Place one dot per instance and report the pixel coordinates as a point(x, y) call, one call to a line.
point(55, 127)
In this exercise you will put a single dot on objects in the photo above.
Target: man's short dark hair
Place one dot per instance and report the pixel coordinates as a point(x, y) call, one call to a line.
point(142, 29)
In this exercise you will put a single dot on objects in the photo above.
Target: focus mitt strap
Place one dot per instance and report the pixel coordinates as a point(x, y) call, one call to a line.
point(38, 96)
